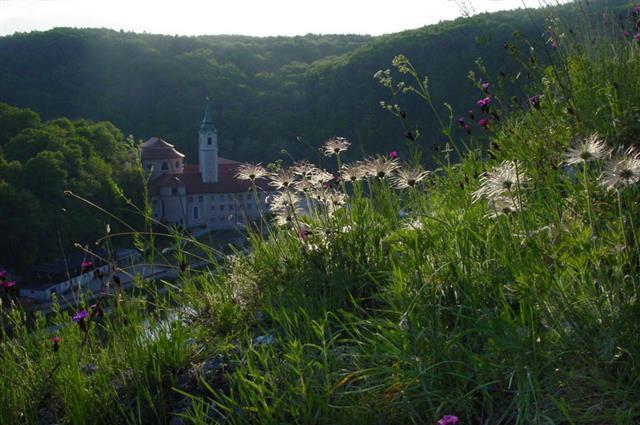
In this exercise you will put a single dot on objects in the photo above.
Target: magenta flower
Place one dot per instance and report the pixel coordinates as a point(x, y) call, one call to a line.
point(461, 121)
point(9, 284)
point(393, 154)
point(554, 45)
point(449, 420)
point(626, 33)
point(484, 123)
point(304, 234)
point(3, 274)
point(535, 101)
point(637, 37)
point(86, 264)
point(80, 315)
point(484, 104)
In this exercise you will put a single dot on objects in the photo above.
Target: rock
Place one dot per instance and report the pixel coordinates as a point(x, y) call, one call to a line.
point(264, 340)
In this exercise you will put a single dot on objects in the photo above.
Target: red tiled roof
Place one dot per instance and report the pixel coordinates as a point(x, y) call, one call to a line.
point(192, 179)
point(156, 148)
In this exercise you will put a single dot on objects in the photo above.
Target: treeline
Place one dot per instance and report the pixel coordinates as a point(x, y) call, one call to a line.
point(269, 93)
point(39, 161)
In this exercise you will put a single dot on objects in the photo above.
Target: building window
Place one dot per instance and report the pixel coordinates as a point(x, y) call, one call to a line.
point(196, 213)
point(177, 164)
point(209, 140)
point(190, 199)
point(164, 166)
point(221, 207)
point(230, 207)
point(200, 198)
point(248, 206)
point(174, 191)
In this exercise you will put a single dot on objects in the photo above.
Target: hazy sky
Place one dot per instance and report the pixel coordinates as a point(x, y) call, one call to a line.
point(250, 17)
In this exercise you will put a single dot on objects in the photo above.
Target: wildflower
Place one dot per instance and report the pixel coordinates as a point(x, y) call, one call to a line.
point(408, 177)
point(379, 167)
point(553, 45)
point(623, 170)
point(352, 172)
point(484, 123)
point(3, 274)
point(9, 284)
point(250, 172)
point(80, 315)
point(535, 101)
point(393, 155)
point(484, 104)
point(448, 420)
point(283, 200)
point(282, 179)
point(322, 177)
point(637, 37)
point(335, 145)
point(501, 180)
point(589, 149)
point(304, 169)
point(461, 121)
point(56, 343)
point(85, 264)
point(485, 87)
point(334, 200)
point(626, 33)
point(467, 128)
point(503, 205)
point(304, 234)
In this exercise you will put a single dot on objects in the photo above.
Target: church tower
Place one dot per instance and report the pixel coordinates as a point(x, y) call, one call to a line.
point(208, 142)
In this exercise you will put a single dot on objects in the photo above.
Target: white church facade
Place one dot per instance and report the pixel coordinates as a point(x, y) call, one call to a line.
point(203, 194)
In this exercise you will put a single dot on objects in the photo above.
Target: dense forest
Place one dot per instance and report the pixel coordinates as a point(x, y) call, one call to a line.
point(269, 93)
point(39, 161)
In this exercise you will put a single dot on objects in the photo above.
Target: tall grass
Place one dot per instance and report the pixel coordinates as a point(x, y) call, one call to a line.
point(375, 304)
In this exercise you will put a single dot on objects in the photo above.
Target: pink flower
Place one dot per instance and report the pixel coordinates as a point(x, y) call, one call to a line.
point(485, 86)
point(9, 284)
point(3, 274)
point(626, 33)
point(448, 420)
point(637, 37)
point(393, 155)
point(484, 123)
point(80, 315)
point(304, 233)
point(554, 45)
point(86, 264)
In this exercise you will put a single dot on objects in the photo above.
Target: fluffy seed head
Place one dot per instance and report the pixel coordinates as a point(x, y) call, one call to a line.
point(335, 145)
point(622, 170)
point(251, 172)
point(589, 149)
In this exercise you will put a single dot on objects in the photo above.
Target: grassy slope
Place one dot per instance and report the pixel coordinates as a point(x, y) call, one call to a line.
point(401, 307)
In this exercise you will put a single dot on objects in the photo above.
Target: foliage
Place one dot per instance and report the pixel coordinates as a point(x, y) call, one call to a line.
point(39, 161)
point(385, 301)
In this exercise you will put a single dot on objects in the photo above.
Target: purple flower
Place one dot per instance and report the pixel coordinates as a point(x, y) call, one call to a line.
point(304, 233)
point(485, 86)
point(484, 104)
point(3, 274)
point(484, 123)
point(554, 45)
point(86, 264)
point(461, 121)
point(637, 37)
point(9, 284)
point(535, 101)
point(449, 420)
point(626, 33)
point(80, 315)
point(393, 155)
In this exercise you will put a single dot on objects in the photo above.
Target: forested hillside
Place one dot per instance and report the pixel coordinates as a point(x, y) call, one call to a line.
point(267, 92)
point(39, 161)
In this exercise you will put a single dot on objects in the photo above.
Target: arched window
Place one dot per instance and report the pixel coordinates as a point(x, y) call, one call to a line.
point(165, 166)
point(209, 140)
point(196, 213)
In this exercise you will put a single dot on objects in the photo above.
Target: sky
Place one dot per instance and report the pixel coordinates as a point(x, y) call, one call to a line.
point(248, 17)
